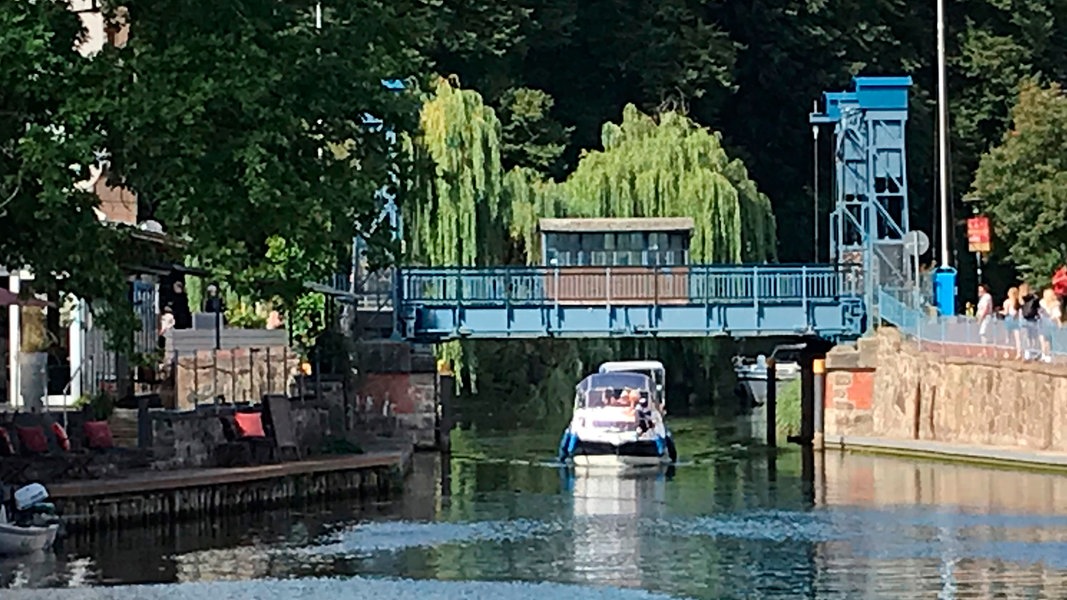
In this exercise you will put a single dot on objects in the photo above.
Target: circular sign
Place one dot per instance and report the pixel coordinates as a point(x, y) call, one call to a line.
point(916, 242)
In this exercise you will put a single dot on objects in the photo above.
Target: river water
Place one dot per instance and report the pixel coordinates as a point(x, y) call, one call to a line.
point(727, 522)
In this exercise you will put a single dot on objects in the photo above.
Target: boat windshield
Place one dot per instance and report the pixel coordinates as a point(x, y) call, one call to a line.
point(612, 389)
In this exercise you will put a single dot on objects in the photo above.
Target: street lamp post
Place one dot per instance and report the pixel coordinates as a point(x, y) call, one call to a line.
point(215, 304)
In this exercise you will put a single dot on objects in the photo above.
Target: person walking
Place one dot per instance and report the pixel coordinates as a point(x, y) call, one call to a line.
point(984, 313)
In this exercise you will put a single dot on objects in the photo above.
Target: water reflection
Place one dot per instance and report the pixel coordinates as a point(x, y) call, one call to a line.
point(737, 525)
point(608, 511)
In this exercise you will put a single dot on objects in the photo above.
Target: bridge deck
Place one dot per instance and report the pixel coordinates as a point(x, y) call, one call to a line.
point(686, 301)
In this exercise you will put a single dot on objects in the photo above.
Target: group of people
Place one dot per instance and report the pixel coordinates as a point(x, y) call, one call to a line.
point(1029, 322)
point(636, 404)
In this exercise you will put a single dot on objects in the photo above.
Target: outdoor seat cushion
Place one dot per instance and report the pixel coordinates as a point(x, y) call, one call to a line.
point(98, 435)
point(249, 425)
point(32, 439)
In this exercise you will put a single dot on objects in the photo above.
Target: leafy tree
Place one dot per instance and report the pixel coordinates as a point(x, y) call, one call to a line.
point(242, 126)
point(1023, 181)
point(530, 136)
point(50, 130)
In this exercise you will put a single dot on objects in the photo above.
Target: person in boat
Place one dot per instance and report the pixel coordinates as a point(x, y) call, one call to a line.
point(641, 410)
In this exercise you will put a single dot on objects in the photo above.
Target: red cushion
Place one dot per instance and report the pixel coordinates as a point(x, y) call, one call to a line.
point(61, 437)
point(32, 439)
point(6, 447)
point(249, 424)
point(98, 435)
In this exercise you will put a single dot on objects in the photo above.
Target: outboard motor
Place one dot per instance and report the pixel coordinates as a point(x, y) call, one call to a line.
point(28, 507)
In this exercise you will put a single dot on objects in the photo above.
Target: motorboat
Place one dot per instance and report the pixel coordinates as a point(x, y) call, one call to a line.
point(31, 525)
point(752, 377)
point(618, 420)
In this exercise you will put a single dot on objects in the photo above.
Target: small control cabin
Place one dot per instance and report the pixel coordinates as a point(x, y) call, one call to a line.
point(615, 242)
point(617, 261)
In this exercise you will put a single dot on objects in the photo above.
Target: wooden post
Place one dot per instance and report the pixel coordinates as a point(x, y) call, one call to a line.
point(818, 367)
point(772, 403)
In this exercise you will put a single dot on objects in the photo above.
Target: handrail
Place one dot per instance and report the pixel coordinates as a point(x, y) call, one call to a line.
point(692, 284)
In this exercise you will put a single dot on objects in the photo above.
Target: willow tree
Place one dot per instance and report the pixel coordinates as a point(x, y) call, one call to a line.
point(454, 214)
point(665, 167)
point(455, 217)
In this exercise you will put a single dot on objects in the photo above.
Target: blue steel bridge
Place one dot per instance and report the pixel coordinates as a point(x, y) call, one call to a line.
point(623, 278)
point(613, 301)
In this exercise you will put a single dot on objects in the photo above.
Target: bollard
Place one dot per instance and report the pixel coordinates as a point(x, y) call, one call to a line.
point(772, 403)
point(818, 367)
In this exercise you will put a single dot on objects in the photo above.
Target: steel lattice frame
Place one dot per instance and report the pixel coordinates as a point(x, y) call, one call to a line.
point(870, 216)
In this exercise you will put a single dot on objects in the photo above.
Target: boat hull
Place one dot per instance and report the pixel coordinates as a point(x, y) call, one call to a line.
point(15, 540)
point(626, 454)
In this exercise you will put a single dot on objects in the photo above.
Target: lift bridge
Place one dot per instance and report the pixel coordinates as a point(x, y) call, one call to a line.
point(602, 278)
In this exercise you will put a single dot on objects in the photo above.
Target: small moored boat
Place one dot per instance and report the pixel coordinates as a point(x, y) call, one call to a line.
point(618, 421)
point(32, 525)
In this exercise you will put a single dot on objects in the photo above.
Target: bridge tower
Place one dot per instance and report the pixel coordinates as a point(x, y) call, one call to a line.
point(870, 215)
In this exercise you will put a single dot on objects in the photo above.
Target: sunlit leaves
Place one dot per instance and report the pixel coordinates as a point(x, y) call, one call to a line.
point(1023, 182)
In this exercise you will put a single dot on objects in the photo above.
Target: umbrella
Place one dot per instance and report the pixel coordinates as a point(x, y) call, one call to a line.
point(9, 298)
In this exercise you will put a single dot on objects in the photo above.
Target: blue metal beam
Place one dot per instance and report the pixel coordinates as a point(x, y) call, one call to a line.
point(695, 301)
point(870, 216)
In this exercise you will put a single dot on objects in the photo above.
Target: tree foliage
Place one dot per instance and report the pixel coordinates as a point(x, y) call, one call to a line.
point(659, 167)
point(51, 125)
point(242, 126)
point(1023, 181)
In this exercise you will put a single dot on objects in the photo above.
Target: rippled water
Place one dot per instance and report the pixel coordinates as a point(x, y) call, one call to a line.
point(731, 524)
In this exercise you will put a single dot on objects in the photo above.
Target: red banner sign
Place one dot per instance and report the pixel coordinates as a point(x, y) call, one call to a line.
point(978, 234)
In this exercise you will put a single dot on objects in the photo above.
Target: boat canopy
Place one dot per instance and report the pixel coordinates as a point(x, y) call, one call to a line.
point(617, 381)
point(631, 365)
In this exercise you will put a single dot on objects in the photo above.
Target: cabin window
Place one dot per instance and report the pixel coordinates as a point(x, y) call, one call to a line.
point(657, 241)
point(592, 242)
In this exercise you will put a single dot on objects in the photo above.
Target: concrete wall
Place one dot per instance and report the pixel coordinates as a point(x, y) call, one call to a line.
point(886, 387)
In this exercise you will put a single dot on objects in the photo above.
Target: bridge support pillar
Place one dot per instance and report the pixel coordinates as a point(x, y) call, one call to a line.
point(807, 400)
point(818, 440)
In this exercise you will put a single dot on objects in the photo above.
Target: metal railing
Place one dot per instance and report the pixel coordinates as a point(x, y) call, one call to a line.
point(967, 337)
point(696, 284)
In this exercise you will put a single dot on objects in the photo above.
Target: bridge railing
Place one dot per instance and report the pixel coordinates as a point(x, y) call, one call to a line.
point(964, 336)
point(683, 285)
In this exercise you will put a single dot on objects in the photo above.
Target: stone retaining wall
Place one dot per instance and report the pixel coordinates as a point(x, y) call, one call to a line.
point(238, 375)
point(188, 439)
point(887, 387)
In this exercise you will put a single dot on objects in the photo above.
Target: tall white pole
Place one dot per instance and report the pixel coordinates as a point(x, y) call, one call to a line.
point(815, 184)
point(942, 132)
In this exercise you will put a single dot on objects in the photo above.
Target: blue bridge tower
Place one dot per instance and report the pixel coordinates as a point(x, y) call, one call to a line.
point(869, 220)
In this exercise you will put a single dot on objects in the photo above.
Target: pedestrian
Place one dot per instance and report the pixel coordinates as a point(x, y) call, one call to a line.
point(984, 312)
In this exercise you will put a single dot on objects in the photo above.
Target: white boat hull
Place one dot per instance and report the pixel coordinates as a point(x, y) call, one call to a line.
point(15, 540)
point(618, 461)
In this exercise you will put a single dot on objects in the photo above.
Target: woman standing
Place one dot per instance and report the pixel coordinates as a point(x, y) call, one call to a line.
point(1011, 321)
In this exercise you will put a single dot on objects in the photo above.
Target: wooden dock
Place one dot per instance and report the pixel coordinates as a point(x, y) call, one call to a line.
point(161, 496)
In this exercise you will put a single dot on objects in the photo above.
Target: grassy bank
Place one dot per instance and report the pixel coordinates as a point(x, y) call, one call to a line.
point(787, 419)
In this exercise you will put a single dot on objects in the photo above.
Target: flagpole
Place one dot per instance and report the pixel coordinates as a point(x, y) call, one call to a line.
point(942, 119)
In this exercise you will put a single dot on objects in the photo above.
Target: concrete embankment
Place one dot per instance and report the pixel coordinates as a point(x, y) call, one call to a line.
point(162, 496)
point(887, 394)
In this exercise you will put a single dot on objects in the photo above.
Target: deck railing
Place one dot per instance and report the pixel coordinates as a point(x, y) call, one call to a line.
point(694, 284)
